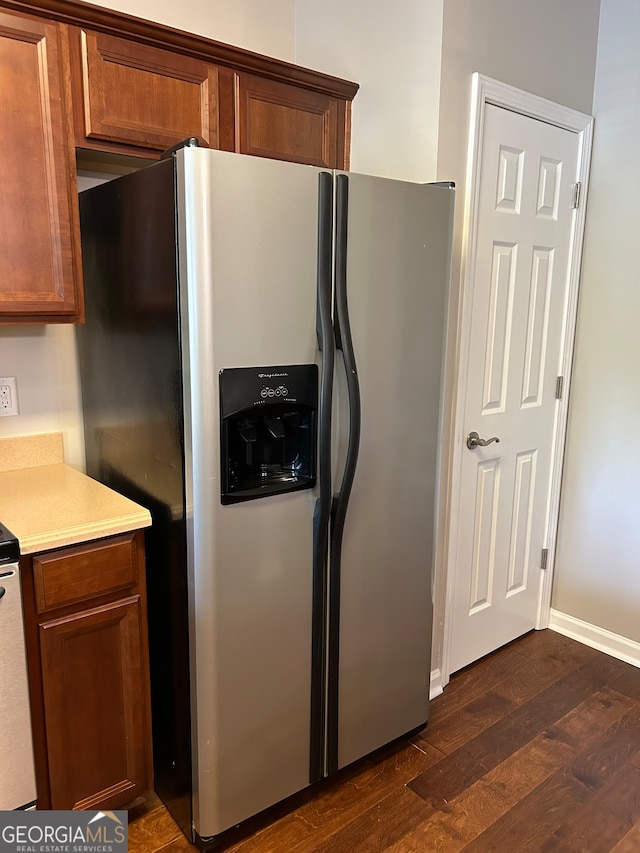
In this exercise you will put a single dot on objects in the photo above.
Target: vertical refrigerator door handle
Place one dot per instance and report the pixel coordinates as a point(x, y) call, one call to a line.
point(322, 513)
point(341, 499)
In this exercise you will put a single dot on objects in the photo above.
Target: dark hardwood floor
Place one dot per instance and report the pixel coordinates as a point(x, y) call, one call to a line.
point(534, 748)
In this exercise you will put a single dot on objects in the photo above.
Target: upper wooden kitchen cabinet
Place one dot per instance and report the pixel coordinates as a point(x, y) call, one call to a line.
point(133, 98)
point(134, 95)
point(39, 232)
point(75, 75)
point(287, 122)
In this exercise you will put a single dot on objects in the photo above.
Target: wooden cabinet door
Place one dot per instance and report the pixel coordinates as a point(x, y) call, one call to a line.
point(94, 706)
point(288, 122)
point(39, 232)
point(142, 96)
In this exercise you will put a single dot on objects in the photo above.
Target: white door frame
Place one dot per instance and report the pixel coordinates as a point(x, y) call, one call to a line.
point(487, 91)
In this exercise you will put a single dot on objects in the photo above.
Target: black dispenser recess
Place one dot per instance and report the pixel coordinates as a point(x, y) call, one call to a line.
point(267, 430)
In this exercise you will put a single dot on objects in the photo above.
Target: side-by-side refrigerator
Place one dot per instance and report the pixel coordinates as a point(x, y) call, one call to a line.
point(261, 367)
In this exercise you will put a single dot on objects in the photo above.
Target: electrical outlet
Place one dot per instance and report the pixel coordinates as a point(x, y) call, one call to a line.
point(8, 396)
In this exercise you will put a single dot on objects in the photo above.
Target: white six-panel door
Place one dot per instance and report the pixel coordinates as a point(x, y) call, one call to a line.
point(520, 273)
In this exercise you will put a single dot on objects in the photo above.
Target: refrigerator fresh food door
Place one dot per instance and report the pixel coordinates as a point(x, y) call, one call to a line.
point(397, 272)
point(247, 241)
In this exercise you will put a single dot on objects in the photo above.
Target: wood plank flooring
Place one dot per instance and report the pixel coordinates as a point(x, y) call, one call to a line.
point(534, 748)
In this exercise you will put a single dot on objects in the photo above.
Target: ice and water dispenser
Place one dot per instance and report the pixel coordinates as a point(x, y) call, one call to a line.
point(268, 430)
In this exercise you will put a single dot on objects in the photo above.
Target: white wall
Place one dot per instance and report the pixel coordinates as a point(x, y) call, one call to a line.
point(404, 55)
point(393, 51)
point(43, 359)
point(264, 26)
point(544, 47)
point(597, 576)
point(394, 54)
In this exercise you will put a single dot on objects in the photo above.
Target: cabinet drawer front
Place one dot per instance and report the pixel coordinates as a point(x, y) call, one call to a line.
point(145, 96)
point(77, 574)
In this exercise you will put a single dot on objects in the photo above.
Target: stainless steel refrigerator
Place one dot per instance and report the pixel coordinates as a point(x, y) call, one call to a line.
point(261, 367)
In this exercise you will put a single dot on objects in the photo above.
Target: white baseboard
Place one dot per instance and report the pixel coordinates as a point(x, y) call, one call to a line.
point(593, 636)
point(435, 684)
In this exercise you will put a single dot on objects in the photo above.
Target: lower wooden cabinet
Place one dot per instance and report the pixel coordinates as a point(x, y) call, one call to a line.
point(85, 611)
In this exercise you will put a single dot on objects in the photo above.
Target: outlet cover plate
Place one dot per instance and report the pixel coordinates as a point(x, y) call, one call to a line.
point(8, 396)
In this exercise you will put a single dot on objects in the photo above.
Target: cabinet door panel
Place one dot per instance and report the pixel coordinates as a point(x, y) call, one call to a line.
point(94, 705)
point(144, 96)
point(288, 122)
point(38, 204)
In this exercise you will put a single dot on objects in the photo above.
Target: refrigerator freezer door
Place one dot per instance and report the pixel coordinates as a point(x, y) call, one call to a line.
point(248, 254)
point(397, 279)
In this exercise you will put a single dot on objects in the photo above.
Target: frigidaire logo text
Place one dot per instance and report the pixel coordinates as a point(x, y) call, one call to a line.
point(270, 375)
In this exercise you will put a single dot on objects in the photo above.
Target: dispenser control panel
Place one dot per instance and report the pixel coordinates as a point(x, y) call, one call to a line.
point(280, 391)
point(267, 430)
point(244, 387)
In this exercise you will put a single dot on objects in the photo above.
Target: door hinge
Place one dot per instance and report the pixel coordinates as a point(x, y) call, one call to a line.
point(544, 558)
point(559, 384)
point(577, 187)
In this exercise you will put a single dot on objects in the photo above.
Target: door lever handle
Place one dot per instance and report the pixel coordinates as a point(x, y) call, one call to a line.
point(474, 440)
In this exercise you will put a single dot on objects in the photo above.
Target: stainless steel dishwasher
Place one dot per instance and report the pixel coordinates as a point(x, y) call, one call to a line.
point(17, 774)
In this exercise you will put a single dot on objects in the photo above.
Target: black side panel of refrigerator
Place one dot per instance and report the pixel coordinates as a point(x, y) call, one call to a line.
point(130, 366)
